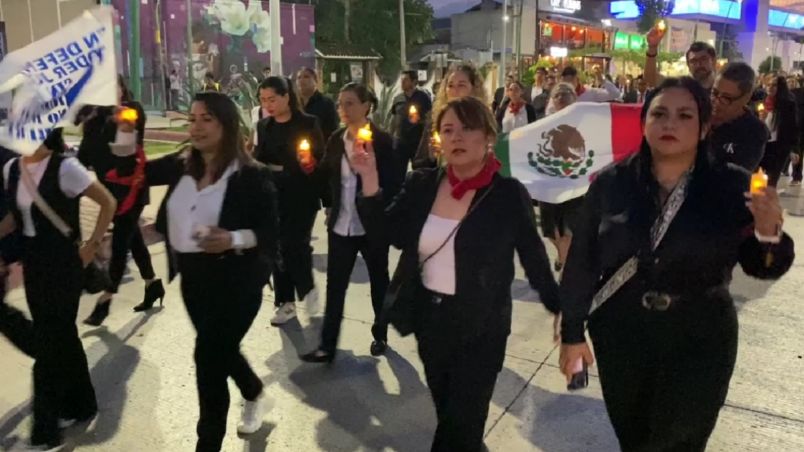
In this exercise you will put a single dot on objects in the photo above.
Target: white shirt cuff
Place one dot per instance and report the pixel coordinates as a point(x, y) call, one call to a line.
point(244, 239)
point(125, 144)
point(774, 239)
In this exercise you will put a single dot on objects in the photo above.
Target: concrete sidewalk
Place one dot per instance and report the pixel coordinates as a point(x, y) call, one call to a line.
point(143, 371)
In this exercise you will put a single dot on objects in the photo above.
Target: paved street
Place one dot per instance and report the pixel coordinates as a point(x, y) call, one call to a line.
point(143, 372)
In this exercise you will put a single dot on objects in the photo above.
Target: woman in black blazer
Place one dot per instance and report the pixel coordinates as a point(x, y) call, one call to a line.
point(783, 126)
point(280, 139)
point(219, 217)
point(347, 235)
point(666, 338)
point(510, 115)
point(458, 229)
point(100, 129)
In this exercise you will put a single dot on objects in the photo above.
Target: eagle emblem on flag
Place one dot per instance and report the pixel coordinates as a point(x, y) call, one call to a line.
point(562, 153)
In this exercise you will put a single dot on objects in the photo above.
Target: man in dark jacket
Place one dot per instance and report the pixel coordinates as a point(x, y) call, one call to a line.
point(316, 104)
point(737, 135)
point(410, 113)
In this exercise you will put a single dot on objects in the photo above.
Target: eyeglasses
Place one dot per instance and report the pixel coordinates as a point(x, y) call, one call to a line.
point(724, 98)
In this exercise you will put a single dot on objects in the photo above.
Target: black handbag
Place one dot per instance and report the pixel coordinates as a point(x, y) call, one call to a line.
point(405, 291)
point(96, 279)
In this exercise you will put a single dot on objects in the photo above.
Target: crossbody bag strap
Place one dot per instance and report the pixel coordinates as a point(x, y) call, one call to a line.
point(41, 204)
point(657, 233)
point(457, 226)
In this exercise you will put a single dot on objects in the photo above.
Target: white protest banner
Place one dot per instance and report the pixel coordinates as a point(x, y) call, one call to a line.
point(53, 77)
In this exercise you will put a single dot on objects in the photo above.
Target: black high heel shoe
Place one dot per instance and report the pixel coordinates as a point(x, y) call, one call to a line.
point(99, 314)
point(154, 291)
point(318, 356)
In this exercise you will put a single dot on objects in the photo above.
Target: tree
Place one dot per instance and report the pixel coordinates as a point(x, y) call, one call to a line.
point(372, 25)
point(650, 11)
point(765, 66)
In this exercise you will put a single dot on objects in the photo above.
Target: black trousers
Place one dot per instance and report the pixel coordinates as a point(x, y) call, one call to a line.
point(340, 263)
point(62, 386)
point(14, 325)
point(773, 162)
point(222, 301)
point(665, 375)
point(461, 373)
point(128, 236)
point(293, 276)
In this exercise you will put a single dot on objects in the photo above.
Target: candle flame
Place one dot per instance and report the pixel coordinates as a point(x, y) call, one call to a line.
point(759, 181)
point(413, 110)
point(364, 133)
point(437, 138)
point(761, 107)
point(304, 146)
point(129, 114)
point(662, 25)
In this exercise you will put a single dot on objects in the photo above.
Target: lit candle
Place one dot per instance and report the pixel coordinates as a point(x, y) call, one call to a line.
point(662, 26)
point(759, 181)
point(437, 138)
point(128, 115)
point(413, 114)
point(304, 151)
point(760, 107)
point(365, 134)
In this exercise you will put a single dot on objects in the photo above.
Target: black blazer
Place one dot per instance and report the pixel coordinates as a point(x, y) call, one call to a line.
point(531, 112)
point(710, 234)
point(249, 203)
point(329, 171)
point(291, 182)
point(484, 247)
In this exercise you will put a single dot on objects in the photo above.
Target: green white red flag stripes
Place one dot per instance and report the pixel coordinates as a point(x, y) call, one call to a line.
point(556, 157)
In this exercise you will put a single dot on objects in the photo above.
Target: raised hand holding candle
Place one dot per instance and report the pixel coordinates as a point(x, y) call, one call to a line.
point(365, 134)
point(759, 182)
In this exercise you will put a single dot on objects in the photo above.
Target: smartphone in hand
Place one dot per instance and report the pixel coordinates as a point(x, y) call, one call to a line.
point(580, 376)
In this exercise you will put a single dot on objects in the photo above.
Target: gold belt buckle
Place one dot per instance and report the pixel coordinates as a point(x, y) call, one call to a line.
point(656, 301)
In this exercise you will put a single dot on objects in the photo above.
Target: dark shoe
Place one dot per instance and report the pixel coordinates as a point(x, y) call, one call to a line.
point(154, 291)
point(318, 356)
point(378, 348)
point(99, 314)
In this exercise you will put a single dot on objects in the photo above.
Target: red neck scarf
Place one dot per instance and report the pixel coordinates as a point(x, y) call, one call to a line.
point(580, 89)
point(479, 180)
point(515, 107)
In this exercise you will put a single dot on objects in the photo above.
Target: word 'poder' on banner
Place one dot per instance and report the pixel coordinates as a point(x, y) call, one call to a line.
point(53, 77)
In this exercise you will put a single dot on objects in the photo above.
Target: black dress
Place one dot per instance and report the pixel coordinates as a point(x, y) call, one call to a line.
point(462, 338)
point(665, 374)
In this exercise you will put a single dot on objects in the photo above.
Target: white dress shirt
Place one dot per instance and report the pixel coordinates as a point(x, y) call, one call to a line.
point(192, 211)
point(74, 179)
point(438, 273)
point(513, 121)
point(348, 223)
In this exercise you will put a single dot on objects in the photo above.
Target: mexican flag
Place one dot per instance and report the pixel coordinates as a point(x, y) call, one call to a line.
point(557, 157)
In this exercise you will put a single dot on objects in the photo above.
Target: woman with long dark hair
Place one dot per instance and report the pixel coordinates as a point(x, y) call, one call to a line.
point(291, 144)
point(219, 217)
point(43, 191)
point(99, 131)
point(514, 112)
point(651, 259)
point(347, 236)
point(781, 119)
point(458, 228)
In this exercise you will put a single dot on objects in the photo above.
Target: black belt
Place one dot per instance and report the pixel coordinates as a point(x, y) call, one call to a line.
point(437, 298)
point(660, 301)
